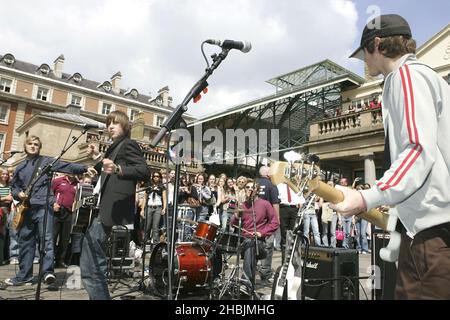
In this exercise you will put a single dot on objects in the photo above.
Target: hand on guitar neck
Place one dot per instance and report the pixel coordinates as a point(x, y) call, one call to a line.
point(22, 195)
point(352, 204)
point(348, 202)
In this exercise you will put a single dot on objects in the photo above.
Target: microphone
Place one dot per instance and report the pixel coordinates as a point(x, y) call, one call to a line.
point(88, 126)
point(13, 152)
point(243, 46)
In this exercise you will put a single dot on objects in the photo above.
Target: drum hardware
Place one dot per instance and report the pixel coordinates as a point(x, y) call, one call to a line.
point(146, 283)
point(117, 255)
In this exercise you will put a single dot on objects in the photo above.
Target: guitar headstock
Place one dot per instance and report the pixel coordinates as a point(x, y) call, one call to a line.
point(297, 171)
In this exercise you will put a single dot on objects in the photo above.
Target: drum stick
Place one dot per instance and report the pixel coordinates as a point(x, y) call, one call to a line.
point(249, 232)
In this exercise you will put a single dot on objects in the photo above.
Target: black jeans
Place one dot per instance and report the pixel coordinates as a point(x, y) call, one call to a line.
point(61, 227)
point(288, 216)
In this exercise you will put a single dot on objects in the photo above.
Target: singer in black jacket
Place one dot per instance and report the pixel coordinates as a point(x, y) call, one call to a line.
point(122, 166)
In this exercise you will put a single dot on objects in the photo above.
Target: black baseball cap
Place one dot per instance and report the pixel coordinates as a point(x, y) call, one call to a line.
point(382, 26)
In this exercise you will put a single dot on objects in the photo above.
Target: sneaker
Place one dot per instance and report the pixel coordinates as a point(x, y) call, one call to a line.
point(14, 261)
point(14, 282)
point(49, 278)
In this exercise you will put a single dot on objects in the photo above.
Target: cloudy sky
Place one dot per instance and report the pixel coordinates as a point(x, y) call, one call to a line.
point(155, 43)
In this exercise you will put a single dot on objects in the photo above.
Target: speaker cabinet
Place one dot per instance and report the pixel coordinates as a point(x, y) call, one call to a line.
point(385, 287)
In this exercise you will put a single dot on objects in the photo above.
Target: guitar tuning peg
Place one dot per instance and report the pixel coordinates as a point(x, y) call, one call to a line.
point(313, 158)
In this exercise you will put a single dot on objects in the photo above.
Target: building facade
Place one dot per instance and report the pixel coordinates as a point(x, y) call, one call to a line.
point(37, 99)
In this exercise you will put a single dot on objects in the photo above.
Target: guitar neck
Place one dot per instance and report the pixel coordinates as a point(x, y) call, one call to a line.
point(333, 195)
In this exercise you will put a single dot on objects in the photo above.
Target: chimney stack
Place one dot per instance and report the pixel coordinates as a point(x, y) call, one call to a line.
point(58, 66)
point(115, 81)
point(164, 94)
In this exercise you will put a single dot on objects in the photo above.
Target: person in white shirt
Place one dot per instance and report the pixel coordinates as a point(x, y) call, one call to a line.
point(290, 202)
point(416, 117)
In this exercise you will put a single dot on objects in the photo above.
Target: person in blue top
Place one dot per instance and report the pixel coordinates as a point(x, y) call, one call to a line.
point(34, 217)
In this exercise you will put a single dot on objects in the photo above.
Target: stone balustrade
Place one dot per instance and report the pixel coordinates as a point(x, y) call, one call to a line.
point(346, 124)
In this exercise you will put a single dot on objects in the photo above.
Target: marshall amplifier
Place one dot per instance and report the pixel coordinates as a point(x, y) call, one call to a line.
point(331, 274)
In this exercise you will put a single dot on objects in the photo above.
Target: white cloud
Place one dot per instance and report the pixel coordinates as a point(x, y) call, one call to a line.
point(157, 43)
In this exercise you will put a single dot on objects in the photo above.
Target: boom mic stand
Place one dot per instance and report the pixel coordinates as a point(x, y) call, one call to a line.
point(47, 171)
point(175, 121)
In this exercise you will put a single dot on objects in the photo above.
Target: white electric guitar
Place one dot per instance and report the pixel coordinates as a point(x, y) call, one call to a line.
point(306, 171)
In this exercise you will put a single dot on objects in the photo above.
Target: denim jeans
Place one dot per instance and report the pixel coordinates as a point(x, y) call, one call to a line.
point(13, 238)
point(361, 237)
point(325, 233)
point(346, 224)
point(266, 264)
point(33, 226)
point(202, 213)
point(311, 219)
point(185, 230)
point(334, 219)
point(249, 264)
point(225, 222)
point(93, 262)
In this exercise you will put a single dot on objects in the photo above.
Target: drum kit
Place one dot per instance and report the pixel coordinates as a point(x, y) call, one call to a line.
point(201, 262)
point(203, 252)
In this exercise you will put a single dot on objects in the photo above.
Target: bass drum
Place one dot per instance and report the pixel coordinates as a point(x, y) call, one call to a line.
point(192, 267)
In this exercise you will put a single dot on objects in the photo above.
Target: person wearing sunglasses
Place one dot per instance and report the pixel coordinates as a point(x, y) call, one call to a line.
point(259, 221)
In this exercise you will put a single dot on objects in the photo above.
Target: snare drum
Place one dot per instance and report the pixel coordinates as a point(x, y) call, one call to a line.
point(192, 267)
point(205, 234)
point(228, 242)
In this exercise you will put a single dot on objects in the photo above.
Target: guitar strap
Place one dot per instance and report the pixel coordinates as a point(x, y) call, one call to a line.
point(35, 172)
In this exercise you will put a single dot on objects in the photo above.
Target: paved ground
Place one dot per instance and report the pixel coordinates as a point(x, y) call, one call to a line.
point(67, 285)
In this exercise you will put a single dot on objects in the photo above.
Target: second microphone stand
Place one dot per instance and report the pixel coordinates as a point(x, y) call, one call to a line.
point(48, 172)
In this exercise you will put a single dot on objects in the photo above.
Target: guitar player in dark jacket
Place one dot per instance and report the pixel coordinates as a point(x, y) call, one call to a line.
point(33, 221)
point(122, 166)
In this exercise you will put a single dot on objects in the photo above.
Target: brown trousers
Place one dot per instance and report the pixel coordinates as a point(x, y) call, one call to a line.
point(424, 265)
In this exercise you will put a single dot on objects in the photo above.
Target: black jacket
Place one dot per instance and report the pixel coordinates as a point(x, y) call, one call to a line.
point(117, 203)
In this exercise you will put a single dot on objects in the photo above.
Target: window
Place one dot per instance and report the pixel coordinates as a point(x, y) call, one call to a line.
point(106, 108)
point(9, 59)
point(5, 85)
point(133, 114)
point(105, 86)
point(159, 121)
point(44, 69)
point(4, 113)
point(2, 141)
point(76, 100)
point(42, 94)
point(77, 77)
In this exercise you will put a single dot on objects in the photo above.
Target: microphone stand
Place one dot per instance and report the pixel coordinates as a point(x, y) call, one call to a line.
point(47, 170)
point(175, 121)
point(253, 201)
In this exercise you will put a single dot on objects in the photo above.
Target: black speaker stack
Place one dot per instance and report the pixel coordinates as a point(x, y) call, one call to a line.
point(331, 274)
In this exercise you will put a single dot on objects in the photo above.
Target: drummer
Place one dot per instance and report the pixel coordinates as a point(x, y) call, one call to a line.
point(257, 214)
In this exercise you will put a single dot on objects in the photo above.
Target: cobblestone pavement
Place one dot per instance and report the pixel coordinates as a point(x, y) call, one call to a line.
point(68, 285)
